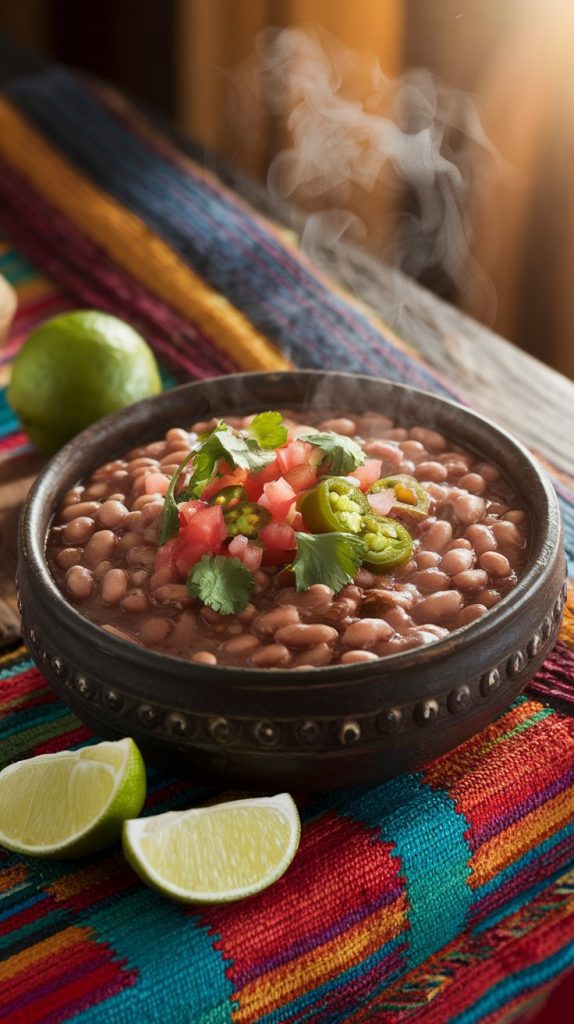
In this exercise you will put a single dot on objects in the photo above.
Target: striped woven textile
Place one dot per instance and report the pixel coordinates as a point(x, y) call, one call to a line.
point(445, 895)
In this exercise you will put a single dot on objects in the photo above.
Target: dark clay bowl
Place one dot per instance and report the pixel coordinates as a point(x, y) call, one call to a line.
point(275, 729)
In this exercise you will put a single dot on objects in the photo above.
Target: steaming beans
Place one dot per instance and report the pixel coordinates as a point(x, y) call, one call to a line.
point(467, 555)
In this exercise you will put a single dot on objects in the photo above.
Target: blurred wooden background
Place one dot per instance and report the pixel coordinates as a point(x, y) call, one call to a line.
point(514, 56)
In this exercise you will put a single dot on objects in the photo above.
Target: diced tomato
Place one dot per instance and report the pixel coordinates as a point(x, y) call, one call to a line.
point(298, 523)
point(301, 477)
point(277, 497)
point(202, 532)
point(250, 554)
point(237, 476)
point(279, 542)
point(164, 561)
point(255, 482)
point(367, 474)
point(296, 453)
point(382, 502)
point(156, 483)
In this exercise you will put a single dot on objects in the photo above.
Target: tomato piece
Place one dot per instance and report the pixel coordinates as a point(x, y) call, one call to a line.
point(367, 474)
point(250, 554)
point(165, 560)
point(278, 539)
point(277, 497)
point(202, 532)
point(301, 478)
point(382, 502)
point(255, 482)
point(235, 477)
point(296, 453)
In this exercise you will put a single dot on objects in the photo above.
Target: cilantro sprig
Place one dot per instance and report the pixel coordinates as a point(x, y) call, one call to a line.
point(222, 583)
point(170, 516)
point(329, 558)
point(342, 453)
point(268, 430)
point(223, 442)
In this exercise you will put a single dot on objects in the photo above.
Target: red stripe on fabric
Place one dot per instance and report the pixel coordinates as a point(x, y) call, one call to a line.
point(14, 441)
point(49, 697)
point(87, 271)
point(44, 905)
point(93, 988)
point(30, 681)
point(264, 930)
point(63, 741)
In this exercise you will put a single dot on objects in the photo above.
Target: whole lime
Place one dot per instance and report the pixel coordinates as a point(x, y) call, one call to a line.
point(76, 368)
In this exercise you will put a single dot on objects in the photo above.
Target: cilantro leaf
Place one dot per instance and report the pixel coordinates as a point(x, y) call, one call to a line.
point(329, 558)
point(221, 583)
point(170, 515)
point(268, 430)
point(223, 442)
point(343, 454)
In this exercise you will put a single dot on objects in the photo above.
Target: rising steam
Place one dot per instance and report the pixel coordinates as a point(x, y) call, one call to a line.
point(414, 144)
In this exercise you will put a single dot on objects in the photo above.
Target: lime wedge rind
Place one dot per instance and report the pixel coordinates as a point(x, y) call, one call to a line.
point(124, 800)
point(169, 831)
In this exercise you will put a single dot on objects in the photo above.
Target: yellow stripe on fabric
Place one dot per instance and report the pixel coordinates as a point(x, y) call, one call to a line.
point(567, 627)
point(133, 245)
point(520, 837)
point(34, 955)
point(319, 966)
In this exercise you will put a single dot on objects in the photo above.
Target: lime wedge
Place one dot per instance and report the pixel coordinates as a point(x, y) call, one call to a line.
point(71, 803)
point(215, 854)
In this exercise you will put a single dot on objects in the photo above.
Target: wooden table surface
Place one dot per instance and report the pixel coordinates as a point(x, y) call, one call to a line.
point(515, 390)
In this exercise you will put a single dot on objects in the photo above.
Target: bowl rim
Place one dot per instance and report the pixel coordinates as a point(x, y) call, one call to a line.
point(31, 544)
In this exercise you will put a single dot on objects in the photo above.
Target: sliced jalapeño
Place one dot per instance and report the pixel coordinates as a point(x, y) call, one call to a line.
point(247, 518)
point(334, 505)
point(410, 495)
point(387, 543)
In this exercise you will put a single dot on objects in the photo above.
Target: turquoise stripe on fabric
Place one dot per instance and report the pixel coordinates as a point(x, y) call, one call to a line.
point(437, 871)
point(536, 854)
point(177, 961)
point(17, 669)
point(520, 983)
point(15, 268)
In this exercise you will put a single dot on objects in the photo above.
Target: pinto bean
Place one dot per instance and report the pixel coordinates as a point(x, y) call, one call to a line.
point(389, 454)
point(80, 508)
point(507, 533)
point(469, 508)
point(488, 597)
point(153, 509)
point(79, 582)
point(79, 530)
point(73, 495)
point(471, 613)
point(136, 601)
point(430, 580)
point(244, 644)
point(141, 554)
point(387, 599)
point(470, 579)
point(135, 521)
point(487, 470)
point(398, 619)
point(68, 557)
point(306, 635)
point(438, 607)
point(481, 537)
point(268, 623)
point(105, 472)
point(138, 576)
point(457, 560)
point(394, 434)
point(129, 540)
point(172, 593)
point(247, 615)
point(413, 450)
point(114, 586)
point(437, 537)
point(204, 658)
point(398, 644)
point(341, 425)
point(271, 656)
point(261, 581)
point(516, 516)
point(435, 472)
point(102, 568)
point(112, 513)
point(155, 629)
point(473, 482)
point(371, 422)
point(100, 545)
point(96, 491)
point(431, 439)
point(315, 657)
point(460, 542)
point(495, 564)
point(350, 657)
point(365, 579)
point(366, 633)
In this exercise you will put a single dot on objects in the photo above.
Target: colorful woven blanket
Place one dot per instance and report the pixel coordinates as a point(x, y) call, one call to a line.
point(445, 895)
